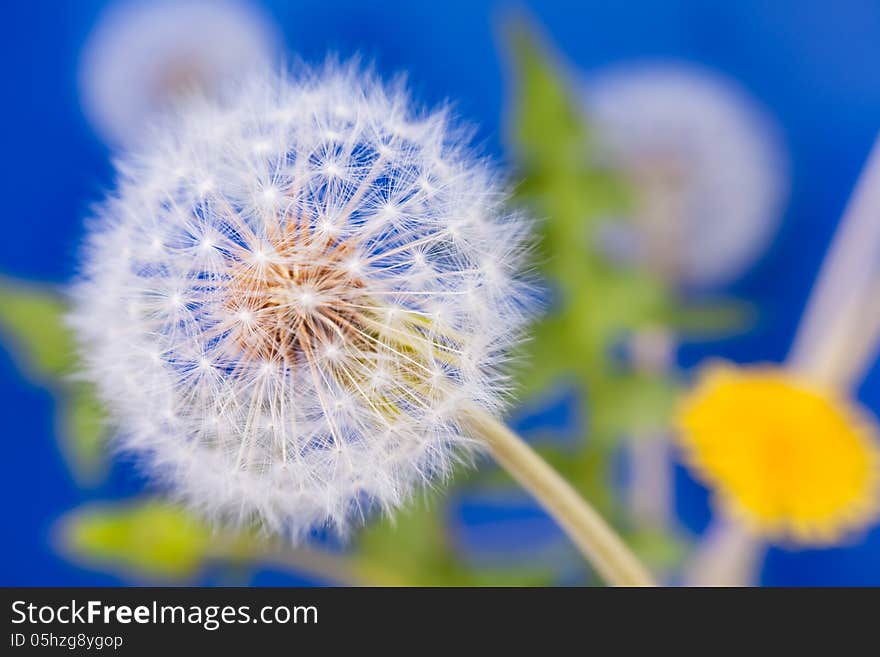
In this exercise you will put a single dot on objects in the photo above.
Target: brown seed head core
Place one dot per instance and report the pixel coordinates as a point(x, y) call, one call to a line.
point(301, 298)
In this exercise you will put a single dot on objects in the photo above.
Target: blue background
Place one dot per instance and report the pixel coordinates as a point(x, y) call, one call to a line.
point(813, 65)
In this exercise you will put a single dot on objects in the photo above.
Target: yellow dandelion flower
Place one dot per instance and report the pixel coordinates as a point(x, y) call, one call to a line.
point(791, 459)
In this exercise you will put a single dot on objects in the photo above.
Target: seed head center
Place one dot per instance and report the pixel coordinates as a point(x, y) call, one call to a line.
point(300, 302)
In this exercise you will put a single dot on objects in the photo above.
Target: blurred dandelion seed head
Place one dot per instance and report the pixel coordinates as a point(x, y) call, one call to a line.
point(792, 460)
point(293, 292)
point(705, 163)
point(145, 56)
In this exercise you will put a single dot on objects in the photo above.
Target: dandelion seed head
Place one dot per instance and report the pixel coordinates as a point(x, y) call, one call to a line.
point(143, 56)
point(705, 161)
point(298, 361)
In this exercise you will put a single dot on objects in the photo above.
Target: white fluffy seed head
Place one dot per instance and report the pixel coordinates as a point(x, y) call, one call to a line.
point(292, 295)
point(144, 55)
point(706, 162)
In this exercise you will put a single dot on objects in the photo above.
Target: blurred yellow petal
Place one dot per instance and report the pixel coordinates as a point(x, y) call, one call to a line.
point(790, 458)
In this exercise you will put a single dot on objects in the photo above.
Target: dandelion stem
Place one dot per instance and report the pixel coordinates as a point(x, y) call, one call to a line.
point(649, 492)
point(838, 334)
point(602, 547)
point(728, 556)
point(838, 337)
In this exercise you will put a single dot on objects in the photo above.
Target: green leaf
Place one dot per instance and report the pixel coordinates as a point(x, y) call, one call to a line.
point(597, 301)
point(32, 320)
point(159, 541)
point(712, 320)
point(415, 547)
point(84, 431)
point(659, 550)
point(146, 539)
point(631, 404)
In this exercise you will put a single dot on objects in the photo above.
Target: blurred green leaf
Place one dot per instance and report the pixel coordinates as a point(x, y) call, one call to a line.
point(32, 319)
point(661, 551)
point(712, 320)
point(84, 426)
point(156, 540)
point(416, 547)
point(597, 300)
point(629, 404)
point(148, 539)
